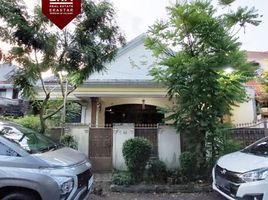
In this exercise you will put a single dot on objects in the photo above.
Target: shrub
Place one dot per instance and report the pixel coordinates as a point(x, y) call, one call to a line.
point(157, 171)
point(69, 141)
point(136, 153)
point(230, 145)
point(122, 178)
point(176, 176)
point(188, 162)
point(28, 121)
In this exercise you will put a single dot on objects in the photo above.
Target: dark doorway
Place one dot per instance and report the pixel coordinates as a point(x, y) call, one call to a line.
point(133, 113)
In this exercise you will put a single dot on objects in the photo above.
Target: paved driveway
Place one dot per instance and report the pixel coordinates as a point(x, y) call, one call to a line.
point(184, 196)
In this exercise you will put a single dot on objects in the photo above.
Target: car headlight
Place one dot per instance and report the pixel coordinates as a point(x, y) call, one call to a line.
point(66, 184)
point(255, 175)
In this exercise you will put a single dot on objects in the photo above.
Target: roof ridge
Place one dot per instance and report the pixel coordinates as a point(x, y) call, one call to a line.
point(131, 44)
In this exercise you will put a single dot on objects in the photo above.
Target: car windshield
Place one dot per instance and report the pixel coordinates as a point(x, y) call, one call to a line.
point(27, 139)
point(259, 148)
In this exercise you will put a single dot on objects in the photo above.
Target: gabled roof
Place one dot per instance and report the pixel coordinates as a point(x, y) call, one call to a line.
point(257, 55)
point(131, 65)
point(6, 70)
point(132, 44)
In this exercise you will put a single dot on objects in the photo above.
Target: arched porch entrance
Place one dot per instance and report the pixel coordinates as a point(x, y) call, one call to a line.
point(133, 113)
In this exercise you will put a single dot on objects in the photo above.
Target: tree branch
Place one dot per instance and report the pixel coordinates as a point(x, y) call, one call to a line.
point(74, 88)
point(60, 107)
point(40, 75)
point(53, 113)
point(61, 84)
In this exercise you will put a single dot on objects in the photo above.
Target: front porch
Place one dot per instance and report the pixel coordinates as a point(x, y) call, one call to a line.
point(105, 111)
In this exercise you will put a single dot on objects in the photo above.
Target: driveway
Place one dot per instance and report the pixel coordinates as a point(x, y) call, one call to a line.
point(131, 196)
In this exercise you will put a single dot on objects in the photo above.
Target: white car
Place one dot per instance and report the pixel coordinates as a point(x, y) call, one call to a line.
point(243, 174)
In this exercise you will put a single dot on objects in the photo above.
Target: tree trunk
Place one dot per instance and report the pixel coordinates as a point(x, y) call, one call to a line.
point(201, 149)
point(41, 115)
point(42, 122)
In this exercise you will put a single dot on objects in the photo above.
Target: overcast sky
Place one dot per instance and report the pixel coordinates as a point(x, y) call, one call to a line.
point(134, 17)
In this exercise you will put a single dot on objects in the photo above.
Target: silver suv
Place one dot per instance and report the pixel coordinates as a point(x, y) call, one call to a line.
point(34, 167)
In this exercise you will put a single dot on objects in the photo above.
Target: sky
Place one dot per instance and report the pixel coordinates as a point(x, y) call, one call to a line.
point(135, 16)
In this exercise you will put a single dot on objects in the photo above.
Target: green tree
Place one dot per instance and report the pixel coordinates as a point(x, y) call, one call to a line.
point(194, 47)
point(37, 45)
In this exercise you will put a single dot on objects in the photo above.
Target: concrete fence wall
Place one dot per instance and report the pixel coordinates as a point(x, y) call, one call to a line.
point(121, 133)
point(169, 147)
point(81, 134)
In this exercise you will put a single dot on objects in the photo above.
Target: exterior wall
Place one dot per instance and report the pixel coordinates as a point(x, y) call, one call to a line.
point(169, 146)
point(121, 133)
point(81, 134)
point(8, 93)
point(245, 112)
point(134, 58)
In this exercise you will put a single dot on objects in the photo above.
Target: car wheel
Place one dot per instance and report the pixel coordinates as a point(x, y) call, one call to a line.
point(19, 196)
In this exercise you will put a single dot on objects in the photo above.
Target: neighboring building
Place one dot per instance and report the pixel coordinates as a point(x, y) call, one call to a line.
point(261, 96)
point(10, 103)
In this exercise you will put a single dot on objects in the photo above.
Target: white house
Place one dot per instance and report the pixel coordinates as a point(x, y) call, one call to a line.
point(126, 93)
point(126, 96)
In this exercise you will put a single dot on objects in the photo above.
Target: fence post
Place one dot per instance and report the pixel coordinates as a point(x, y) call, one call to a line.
point(265, 128)
point(169, 146)
point(121, 133)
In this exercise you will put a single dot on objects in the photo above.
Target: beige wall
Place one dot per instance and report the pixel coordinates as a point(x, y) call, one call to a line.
point(244, 113)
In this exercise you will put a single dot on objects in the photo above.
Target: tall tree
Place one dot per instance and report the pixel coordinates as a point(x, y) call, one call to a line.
point(195, 47)
point(37, 46)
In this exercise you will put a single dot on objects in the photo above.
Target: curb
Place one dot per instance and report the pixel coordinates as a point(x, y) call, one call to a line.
point(190, 188)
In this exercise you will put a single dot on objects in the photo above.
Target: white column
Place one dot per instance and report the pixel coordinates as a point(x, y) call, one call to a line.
point(83, 114)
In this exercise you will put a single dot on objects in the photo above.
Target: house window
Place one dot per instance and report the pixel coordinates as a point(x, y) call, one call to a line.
point(15, 94)
point(73, 113)
point(3, 92)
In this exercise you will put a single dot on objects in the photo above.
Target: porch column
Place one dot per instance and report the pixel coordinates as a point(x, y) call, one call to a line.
point(94, 101)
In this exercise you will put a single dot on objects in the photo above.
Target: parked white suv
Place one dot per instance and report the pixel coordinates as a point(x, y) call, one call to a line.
point(243, 174)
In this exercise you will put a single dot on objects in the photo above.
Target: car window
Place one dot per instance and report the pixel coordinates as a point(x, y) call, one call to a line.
point(258, 148)
point(27, 139)
point(6, 151)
